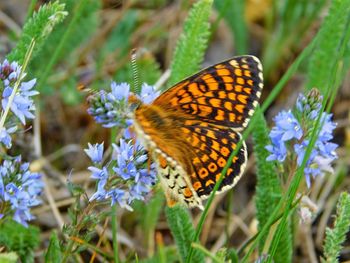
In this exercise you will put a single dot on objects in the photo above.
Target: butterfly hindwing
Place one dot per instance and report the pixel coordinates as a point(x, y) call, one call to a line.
point(190, 154)
point(178, 186)
point(213, 146)
point(225, 94)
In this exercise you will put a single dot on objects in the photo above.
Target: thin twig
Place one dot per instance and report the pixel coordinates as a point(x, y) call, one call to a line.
point(52, 203)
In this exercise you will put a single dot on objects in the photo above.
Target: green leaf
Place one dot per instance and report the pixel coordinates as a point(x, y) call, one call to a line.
point(22, 240)
point(167, 255)
point(268, 189)
point(66, 38)
point(289, 22)
point(233, 13)
point(151, 212)
point(336, 236)
point(328, 51)
point(180, 224)
point(38, 28)
point(80, 30)
point(232, 255)
point(53, 253)
point(191, 46)
point(8, 257)
point(120, 37)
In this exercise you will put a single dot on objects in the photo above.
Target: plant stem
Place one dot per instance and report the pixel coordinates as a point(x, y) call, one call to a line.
point(18, 82)
point(114, 233)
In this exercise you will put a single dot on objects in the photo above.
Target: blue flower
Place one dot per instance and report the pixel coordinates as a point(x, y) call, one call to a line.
point(278, 152)
point(101, 193)
point(144, 180)
point(289, 135)
point(20, 189)
point(126, 176)
point(9, 72)
point(148, 93)
point(5, 137)
point(287, 127)
point(323, 152)
point(95, 152)
point(110, 108)
point(119, 91)
point(22, 105)
point(119, 196)
point(129, 157)
point(99, 174)
point(326, 132)
point(309, 106)
point(130, 180)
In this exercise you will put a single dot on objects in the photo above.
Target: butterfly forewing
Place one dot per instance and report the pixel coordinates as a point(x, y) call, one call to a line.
point(225, 94)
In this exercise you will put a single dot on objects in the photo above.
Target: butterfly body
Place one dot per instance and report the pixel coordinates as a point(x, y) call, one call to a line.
point(192, 128)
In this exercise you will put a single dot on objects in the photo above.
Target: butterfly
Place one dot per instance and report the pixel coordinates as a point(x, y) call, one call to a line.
point(192, 128)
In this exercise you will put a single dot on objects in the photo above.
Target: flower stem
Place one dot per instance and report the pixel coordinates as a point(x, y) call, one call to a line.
point(68, 249)
point(114, 233)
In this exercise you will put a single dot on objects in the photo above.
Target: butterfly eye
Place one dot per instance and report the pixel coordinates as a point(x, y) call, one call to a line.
point(133, 102)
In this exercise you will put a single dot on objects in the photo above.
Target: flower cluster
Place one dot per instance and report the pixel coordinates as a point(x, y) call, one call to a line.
point(111, 109)
point(22, 104)
point(291, 136)
point(126, 176)
point(19, 190)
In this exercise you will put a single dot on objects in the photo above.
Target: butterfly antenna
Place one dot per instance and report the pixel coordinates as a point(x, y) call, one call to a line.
point(135, 72)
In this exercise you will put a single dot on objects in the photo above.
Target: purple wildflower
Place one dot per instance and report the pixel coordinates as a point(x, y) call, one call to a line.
point(128, 179)
point(291, 133)
point(9, 72)
point(119, 91)
point(287, 128)
point(130, 161)
point(125, 177)
point(148, 93)
point(5, 137)
point(111, 108)
point(95, 152)
point(22, 105)
point(19, 189)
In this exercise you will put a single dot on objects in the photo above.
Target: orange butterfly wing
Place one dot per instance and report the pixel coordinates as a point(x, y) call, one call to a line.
point(193, 127)
point(224, 94)
point(190, 153)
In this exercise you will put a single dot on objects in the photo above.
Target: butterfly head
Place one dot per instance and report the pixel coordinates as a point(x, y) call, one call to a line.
point(133, 102)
